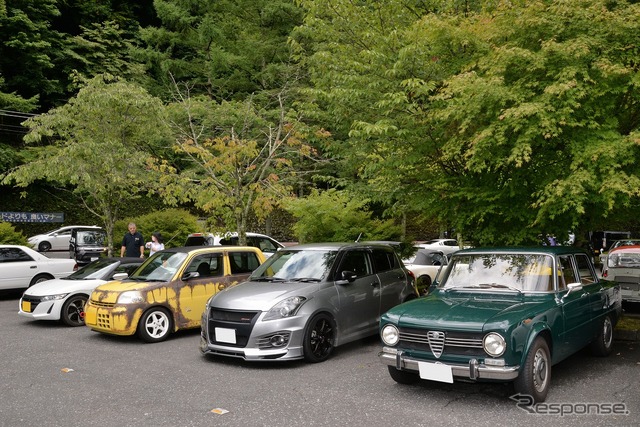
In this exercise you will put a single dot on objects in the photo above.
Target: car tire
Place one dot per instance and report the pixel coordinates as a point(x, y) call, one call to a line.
point(535, 374)
point(44, 246)
point(403, 377)
point(319, 338)
point(154, 325)
point(603, 344)
point(40, 278)
point(72, 313)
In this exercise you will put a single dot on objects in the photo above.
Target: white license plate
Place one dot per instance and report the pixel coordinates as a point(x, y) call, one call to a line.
point(226, 335)
point(93, 258)
point(435, 372)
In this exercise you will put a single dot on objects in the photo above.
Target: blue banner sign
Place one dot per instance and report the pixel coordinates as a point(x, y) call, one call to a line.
point(32, 216)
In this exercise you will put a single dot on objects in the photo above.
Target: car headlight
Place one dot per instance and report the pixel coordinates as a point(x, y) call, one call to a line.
point(130, 297)
point(285, 308)
point(52, 297)
point(494, 344)
point(390, 335)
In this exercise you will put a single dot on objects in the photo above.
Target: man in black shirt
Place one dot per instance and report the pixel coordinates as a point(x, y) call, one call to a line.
point(132, 243)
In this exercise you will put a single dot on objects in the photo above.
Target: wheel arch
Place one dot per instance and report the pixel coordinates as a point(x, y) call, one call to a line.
point(538, 330)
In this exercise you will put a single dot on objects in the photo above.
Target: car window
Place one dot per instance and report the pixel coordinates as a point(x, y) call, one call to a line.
point(356, 261)
point(207, 265)
point(264, 244)
point(243, 262)
point(450, 243)
point(566, 274)
point(584, 268)
point(13, 255)
point(384, 260)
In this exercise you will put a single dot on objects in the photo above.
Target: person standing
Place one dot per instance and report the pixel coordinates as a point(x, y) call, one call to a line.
point(155, 244)
point(132, 243)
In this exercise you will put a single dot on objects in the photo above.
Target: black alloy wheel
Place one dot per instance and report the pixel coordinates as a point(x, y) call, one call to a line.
point(319, 338)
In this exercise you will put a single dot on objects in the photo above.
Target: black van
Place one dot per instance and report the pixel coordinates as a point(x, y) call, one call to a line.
point(87, 244)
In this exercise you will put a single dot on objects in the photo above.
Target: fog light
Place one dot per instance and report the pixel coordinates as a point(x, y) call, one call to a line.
point(278, 341)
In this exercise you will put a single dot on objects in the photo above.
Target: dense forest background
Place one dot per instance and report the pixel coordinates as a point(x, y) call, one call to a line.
point(497, 122)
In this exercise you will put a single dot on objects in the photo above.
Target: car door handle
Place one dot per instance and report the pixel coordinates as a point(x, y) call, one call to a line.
point(33, 267)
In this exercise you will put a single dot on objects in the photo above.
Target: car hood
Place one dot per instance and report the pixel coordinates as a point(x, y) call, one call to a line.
point(464, 312)
point(63, 286)
point(260, 296)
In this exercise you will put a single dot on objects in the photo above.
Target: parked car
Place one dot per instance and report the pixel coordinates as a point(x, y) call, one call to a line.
point(87, 245)
point(64, 298)
point(425, 265)
point(306, 300)
point(444, 245)
point(56, 240)
point(266, 244)
point(616, 244)
point(623, 267)
point(21, 267)
point(169, 291)
point(502, 314)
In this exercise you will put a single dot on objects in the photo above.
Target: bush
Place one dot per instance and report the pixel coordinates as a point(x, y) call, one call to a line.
point(336, 216)
point(9, 235)
point(174, 225)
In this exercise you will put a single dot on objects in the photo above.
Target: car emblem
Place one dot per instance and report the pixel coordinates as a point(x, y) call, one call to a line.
point(436, 342)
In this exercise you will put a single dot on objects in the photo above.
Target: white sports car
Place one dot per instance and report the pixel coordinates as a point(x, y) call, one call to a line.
point(21, 267)
point(425, 265)
point(64, 298)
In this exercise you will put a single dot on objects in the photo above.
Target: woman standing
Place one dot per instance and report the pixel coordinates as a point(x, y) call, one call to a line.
point(155, 244)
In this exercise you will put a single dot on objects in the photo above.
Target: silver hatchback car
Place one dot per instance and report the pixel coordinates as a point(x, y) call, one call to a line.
point(304, 301)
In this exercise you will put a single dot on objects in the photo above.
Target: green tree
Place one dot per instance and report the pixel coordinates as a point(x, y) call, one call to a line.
point(337, 216)
point(225, 49)
point(10, 236)
point(502, 122)
point(240, 158)
point(104, 156)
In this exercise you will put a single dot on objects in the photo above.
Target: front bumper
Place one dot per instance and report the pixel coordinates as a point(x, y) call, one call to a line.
point(49, 310)
point(116, 320)
point(255, 348)
point(473, 371)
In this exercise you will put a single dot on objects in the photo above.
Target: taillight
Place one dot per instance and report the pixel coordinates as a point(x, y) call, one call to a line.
point(75, 267)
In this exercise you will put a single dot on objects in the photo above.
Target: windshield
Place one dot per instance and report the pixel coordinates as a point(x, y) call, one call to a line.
point(624, 260)
point(296, 265)
point(519, 272)
point(161, 267)
point(95, 270)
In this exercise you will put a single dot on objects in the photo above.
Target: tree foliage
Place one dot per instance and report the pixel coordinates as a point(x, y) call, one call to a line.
point(337, 216)
point(105, 156)
point(503, 122)
point(241, 158)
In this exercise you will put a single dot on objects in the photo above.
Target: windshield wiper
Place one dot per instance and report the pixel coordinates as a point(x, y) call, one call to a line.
point(498, 285)
point(267, 279)
point(304, 279)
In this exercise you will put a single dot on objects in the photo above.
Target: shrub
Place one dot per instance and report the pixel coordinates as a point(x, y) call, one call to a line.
point(174, 225)
point(9, 235)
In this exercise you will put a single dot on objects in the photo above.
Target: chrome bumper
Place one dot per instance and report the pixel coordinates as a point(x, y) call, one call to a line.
point(473, 371)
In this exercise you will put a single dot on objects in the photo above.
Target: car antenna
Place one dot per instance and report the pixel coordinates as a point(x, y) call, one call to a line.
point(358, 239)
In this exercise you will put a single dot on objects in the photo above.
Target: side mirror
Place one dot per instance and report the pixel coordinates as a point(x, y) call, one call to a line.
point(191, 275)
point(120, 276)
point(347, 277)
point(572, 287)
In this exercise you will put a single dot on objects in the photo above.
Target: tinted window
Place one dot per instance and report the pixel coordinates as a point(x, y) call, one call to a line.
point(385, 260)
point(243, 262)
point(207, 265)
point(13, 255)
point(357, 262)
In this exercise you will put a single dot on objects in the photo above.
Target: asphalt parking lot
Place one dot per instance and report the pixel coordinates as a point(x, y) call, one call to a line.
point(54, 375)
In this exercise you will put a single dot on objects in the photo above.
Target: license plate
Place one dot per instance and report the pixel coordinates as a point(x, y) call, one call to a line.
point(435, 372)
point(226, 335)
point(26, 306)
point(90, 316)
point(93, 258)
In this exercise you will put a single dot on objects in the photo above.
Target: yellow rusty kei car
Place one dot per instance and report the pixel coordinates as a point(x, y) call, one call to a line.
point(169, 291)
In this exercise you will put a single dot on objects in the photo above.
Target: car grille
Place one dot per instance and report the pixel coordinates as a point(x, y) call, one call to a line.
point(241, 321)
point(103, 321)
point(438, 343)
point(102, 304)
point(33, 300)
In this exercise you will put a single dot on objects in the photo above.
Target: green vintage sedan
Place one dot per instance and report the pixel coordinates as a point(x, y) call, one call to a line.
point(502, 314)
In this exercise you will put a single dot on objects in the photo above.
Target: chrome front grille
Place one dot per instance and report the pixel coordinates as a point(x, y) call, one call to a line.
point(438, 342)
